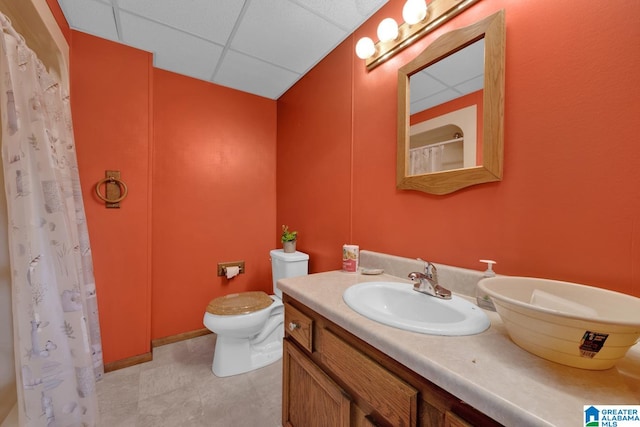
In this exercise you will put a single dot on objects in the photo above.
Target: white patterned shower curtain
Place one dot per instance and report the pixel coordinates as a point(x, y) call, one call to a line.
point(58, 351)
point(425, 159)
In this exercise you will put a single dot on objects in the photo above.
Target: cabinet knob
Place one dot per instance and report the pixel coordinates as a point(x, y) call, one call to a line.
point(293, 326)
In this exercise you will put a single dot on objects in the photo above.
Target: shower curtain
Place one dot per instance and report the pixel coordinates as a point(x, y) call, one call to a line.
point(425, 159)
point(57, 346)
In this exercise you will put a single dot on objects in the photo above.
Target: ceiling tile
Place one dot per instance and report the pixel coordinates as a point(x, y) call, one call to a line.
point(267, 44)
point(449, 78)
point(91, 17)
point(173, 50)
point(461, 66)
point(212, 20)
point(285, 34)
point(252, 75)
point(473, 85)
point(432, 101)
point(423, 85)
point(346, 14)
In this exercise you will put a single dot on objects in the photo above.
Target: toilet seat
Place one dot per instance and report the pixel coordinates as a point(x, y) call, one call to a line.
point(240, 303)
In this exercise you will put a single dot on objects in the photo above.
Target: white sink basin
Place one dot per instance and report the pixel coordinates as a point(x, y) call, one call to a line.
point(398, 305)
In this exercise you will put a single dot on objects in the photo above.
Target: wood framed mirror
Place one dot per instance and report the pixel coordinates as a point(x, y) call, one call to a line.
point(486, 148)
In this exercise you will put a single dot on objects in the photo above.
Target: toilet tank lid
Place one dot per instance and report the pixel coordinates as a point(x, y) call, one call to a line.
point(285, 256)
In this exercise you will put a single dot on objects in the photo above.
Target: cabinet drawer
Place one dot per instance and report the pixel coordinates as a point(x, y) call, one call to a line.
point(393, 399)
point(299, 326)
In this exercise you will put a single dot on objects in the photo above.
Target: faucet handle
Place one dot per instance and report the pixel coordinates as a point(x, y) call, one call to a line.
point(426, 263)
point(430, 271)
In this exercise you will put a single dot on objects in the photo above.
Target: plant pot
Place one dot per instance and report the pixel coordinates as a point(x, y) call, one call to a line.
point(289, 247)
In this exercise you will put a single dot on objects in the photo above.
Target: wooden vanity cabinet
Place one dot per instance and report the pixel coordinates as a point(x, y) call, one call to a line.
point(312, 397)
point(332, 378)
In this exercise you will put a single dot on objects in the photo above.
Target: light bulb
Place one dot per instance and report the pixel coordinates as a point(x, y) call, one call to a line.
point(414, 11)
point(387, 30)
point(365, 48)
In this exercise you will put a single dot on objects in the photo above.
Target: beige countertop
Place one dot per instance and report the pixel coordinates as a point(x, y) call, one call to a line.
point(487, 370)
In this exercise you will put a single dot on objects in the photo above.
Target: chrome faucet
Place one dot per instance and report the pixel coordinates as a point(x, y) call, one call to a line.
point(427, 282)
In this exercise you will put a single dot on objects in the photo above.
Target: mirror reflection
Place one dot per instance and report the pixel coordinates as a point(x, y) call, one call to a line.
point(442, 100)
point(450, 110)
point(445, 142)
point(459, 74)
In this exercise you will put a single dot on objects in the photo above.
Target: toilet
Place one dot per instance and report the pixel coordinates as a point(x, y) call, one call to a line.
point(249, 325)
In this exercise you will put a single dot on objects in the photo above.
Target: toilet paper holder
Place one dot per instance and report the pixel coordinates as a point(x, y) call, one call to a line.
point(222, 267)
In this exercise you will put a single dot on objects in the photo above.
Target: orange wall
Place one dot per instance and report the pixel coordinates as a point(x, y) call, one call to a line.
point(568, 207)
point(314, 160)
point(214, 189)
point(199, 161)
point(110, 102)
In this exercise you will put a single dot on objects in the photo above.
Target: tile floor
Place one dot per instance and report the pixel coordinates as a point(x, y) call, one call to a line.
point(177, 388)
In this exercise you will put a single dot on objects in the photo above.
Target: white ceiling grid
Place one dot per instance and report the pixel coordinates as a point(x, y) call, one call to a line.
point(257, 46)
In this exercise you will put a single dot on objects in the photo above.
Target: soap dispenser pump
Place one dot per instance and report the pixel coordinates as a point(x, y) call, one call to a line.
point(483, 300)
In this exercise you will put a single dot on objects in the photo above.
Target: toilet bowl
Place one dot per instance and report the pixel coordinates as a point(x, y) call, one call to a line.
point(249, 325)
point(247, 340)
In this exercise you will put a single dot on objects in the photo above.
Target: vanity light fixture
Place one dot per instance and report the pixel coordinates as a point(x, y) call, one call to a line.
point(365, 48)
point(388, 30)
point(419, 21)
point(414, 11)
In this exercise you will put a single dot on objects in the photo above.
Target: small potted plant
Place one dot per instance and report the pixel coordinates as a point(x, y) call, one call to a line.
point(288, 239)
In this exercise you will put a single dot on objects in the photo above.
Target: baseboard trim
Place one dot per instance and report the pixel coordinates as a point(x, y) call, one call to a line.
point(148, 357)
point(180, 337)
point(129, 361)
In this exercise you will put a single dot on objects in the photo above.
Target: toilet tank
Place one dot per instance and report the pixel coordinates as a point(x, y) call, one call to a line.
point(287, 265)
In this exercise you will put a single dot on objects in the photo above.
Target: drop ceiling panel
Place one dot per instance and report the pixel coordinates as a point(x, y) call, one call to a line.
point(460, 67)
point(423, 85)
point(433, 100)
point(258, 46)
point(449, 78)
point(245, 73)
point(173, 50)
point(211, 20)
point(473, 85)
point(92, 17)
point(343, 13)
point(285, 34)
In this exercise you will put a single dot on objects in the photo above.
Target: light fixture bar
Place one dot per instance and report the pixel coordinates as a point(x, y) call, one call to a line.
point(439, 12)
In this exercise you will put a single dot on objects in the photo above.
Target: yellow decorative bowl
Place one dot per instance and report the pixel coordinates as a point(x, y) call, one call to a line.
point(575, 325)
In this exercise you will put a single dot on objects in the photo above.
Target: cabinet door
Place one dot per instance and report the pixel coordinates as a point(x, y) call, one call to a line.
point(452, 420)
point(360, 419)
point(309, 397)
point(394, 400)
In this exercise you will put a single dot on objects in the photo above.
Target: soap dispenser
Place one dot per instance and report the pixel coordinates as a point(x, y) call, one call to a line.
point(483, 300)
